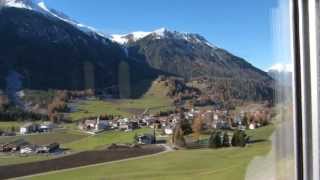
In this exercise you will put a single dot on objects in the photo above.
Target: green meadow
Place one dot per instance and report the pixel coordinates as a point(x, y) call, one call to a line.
point(72, 140)
point(103, 139)
point(154, 100)
point(228, 163)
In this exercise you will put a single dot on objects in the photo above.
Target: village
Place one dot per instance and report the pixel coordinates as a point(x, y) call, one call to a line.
point(165, 124)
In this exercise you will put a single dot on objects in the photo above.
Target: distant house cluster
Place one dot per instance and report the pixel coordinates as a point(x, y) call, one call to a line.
point(211, 119)
point(31, 127)
point(94, 126)
point(23, 147)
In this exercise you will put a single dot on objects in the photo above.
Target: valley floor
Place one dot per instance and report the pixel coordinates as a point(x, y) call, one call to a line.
point(70, 140)
point(230, 163)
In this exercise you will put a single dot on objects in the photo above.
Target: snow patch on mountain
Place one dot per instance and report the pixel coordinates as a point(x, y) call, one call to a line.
point(135, 36)
point(41, 7)
point(159, 34)
point(125, 38)
point(33, 5)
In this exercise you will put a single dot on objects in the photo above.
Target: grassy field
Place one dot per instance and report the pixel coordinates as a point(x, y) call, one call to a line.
point(75, 141)
point(6, 126)
point(16, 159)
point(60, 136)
point(208, 164)
point(155, 100)
point(103, 139)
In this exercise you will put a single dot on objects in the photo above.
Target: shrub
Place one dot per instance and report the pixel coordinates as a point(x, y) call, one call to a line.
point(226, 140)
point(215, 140)
point(239, 138)
point(186, 127)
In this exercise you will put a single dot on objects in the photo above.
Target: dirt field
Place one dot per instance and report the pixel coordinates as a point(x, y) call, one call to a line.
point(77, 160)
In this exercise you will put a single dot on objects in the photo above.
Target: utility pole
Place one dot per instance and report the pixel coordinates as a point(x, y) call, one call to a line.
point(154, 132)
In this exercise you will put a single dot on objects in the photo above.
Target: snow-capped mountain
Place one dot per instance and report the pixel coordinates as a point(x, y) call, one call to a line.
point(40, 7)
point(125, 38)
point(159, 34)
point(26, 4)
point(50, 52)
point(186, 54)
point(56, 52)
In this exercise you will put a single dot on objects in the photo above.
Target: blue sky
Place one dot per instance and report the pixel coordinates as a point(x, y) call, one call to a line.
point(243, 27)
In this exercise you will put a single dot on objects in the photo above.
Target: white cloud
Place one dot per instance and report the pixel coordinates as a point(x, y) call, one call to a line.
point(280, 67)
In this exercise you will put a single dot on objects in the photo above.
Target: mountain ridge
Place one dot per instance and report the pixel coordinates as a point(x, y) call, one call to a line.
point(40, 7)
point(190, 46)
point(52, 52)
point(163, 32)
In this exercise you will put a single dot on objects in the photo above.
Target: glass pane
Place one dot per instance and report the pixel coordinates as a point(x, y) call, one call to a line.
point(280, 161)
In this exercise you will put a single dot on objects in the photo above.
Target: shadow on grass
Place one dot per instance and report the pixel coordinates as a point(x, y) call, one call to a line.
point(256, 141)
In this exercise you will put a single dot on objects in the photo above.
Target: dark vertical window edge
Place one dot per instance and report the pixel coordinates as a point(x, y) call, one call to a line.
point(297, 89)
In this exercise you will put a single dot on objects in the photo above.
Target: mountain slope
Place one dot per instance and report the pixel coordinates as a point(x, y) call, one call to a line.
point(189, 55)
point(46, 49)
point(50, 53)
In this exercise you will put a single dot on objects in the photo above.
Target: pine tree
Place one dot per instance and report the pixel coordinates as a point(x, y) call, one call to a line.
point(226, 140)
point(215, 140)
point(239, 139)
point(186, 127)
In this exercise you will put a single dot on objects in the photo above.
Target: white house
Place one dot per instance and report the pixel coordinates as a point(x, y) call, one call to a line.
point(252, 126)
point(123, 123)
point(94, 125)
point(28, 128)
point(101, 124)
point(46, 126)
point(28, 149)
point(168, 130)
point(215, 117)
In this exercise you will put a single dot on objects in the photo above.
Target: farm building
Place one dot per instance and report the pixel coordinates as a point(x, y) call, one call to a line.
point(146, 139)
point(252, 126)
point(49, 148)
point(13, 146)
point(46, 126)
point(4, 148)
point(94, 125)
point(29, 128)
point(131, 125)
point(28, 149)
point(168, 130)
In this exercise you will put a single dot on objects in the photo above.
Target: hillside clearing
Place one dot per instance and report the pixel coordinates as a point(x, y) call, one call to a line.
point(155, 100)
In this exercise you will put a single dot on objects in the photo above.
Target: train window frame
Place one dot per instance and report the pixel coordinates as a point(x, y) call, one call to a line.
point(304, 19)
